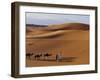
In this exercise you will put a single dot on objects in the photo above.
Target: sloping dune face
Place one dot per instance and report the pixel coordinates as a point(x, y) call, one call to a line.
point(70, 39)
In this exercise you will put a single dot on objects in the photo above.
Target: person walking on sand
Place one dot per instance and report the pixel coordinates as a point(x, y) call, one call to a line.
point(58, 57)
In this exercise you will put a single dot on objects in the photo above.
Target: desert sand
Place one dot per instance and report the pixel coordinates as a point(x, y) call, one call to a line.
point(71, 40)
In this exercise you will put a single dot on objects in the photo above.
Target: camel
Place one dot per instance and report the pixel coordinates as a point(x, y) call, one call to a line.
point(37, 56)
point(29, 55)
point(47, 55)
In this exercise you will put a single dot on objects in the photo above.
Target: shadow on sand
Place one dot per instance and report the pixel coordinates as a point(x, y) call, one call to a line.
point(63, 59)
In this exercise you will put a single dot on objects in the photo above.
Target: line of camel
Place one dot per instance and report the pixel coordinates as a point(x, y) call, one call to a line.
point(37, 56)
point(44, 55)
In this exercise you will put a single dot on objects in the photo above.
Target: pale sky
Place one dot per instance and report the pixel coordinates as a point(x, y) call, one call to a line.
point(47, 18)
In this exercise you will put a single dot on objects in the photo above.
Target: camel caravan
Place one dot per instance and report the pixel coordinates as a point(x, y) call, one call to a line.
point(44, 56)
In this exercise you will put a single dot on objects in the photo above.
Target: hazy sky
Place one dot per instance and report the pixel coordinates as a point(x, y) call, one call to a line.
point(47, 18)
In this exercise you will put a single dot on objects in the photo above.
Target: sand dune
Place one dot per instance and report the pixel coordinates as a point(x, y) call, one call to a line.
point(71, 39)
point(47, 35)
point(69, 26)
point(54, 30)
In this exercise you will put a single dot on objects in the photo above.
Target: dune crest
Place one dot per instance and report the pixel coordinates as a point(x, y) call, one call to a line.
point(55, 30)
point(69, 26)
point(47, 35)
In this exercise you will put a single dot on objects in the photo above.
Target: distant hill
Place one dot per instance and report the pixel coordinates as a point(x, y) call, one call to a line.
point(35, 25)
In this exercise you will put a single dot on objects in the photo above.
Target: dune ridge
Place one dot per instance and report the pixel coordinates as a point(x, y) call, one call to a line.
point(67, 26)
point(55, 30)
